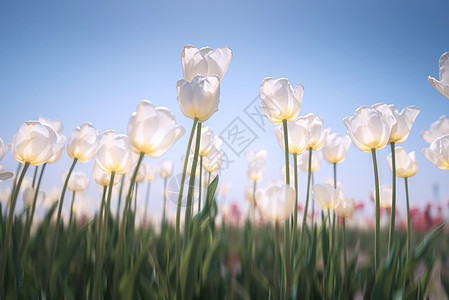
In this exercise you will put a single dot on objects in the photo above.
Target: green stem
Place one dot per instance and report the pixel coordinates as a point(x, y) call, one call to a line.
point(103, 232)
point(99, 226)
point(201, 182)
point(178, 208)
point(295, 212)
point(165, 202)
point(287, 165)
point(276, 261)
point(344, 245)
point(136, 185)
point(147, 200)
point(393, 202)
point(33, 184)
point(9, 225)
point(304, 218)
point(121, 236)
point(71, 211)
point(192, 181)
point(287, 239)
point(117, 216)
point(55, 237)
point(33, 209)
point(409, 231)
point(377, 229)
point(254, 203)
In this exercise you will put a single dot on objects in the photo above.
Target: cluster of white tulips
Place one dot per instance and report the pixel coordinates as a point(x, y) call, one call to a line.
point(153, 130)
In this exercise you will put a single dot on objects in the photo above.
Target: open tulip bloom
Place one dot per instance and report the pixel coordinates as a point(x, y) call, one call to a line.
point(438, 128)
point(438, 152)
point(442, 86)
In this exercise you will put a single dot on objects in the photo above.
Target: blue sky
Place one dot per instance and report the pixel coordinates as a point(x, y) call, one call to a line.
point(80, 61)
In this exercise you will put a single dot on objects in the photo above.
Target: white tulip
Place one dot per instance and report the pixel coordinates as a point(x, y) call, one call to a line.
point(336, 147)
point(406, 164)
point(256, 156)
point(437, 129)
point(60, 137)
point(277, 201)
point(345, 208)
point(3, 149)
point(303, 161)
point(442, 86)
point(438, 152)
point(166, 169)
point(327, 196)
point(83, 143)
point(298, 136)
point(78, 181)
point(386, 196)
point(256, 171)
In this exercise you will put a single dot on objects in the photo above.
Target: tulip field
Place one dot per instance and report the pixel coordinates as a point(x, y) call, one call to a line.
point(281, 247)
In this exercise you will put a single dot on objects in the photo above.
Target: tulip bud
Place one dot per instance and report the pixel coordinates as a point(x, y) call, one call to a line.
point(256, 156)
point(114, 154)
point(327, 196)
point(279, 101)
point(200, 97)
point(277, 202)
point(386, 196)
point(150, 172)
point(60, 137)
point(345, 208)
point(256, 171)
point(298, 136)
point(166, 169)
point(83, 143)
point(205, 61)
point(406, 164)
point(3, 149)
point(207, 141)
point(103, 178)
point(336, 147)
point(303, 161)
point(438, 152)
point(34, 143)
point(28, 197)
point(152, 130)
point(437, 129)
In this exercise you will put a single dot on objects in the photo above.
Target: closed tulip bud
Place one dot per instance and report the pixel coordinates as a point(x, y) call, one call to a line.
point(369, 129)
point(114, 153)
point(298, 136)
point(5, 175)
point(303, 161)
point(437, 129)
point(153, 130)
point(3, 148)
point(103, 178)
point(279, 101)
point(256, 156)
point(150, 173)
point(207, 141)
point(386, 196)
point(345, 208)
point(438, 152)
point(28, 197)
point(34, 143)
point(205, 61)
point(78, 181)
point(404, 120)
point(442, 86)
point(60, 137)
point(83, 143)
point(336, 147)
point(317, 133)
point(256, 171)
point(327, 196)
point(200, 97)
point(166, 169)
point(276, 202)
point(212, 163)
point(406, 164)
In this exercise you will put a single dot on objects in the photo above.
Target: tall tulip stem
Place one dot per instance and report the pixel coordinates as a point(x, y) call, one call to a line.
point(181, 189)
point(55, 237)
point(309, 177)
point(287, 239)
point(276, 261)
point(9, 224)
point(119, 202)
point(409, 231)
point(147, 200)
point(103, 232)
point(164, 213)
point(71, 211)
point(295, 212)
point(121, 235)
point(393, 202)
point(377, 229)
point(200, 183)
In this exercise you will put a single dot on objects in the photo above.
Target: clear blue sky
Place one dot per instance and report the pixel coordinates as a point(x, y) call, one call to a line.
point(80, 61)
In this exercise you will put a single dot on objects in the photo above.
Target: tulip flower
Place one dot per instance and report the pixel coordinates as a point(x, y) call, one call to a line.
point(153, 130)
point(78, 182)
point(437, 129)
point(28, 197)
point(336, 147)
point(442, 86)
point(276, 203)
point(34, 143)
point(166, 169)
point(370, 130)
point(103, 178)
point(256, 156)
point(279, 101)
point(5, 175)
point(406, 164)
point(213, 162)
point(386, 196)
point(438, 152)
point(3, 149)
point(326, 196)
point(298, 136)
point(60, 137)
point(345, 208)
point(83, 143)
point(205, 61)
point(303, 161)
point(256, 171)
point(199, 98)
point(399, 133)
point(114, 153)
point(207, 141)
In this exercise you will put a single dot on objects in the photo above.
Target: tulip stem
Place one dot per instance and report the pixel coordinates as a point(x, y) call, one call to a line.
point(54, 241)
point(377, 229)
point(117, 216)
point(103, 232)
point(164, 213)
point(121, 236)
point(287, 165)
point(192, 182)
point(147, 200)
point(287, 239)
point(71, 211)
point(295, 212)
point(309, 177)
point(9, 224)
point(409, 231)
point(200, 184)
point(344, 245)
point(254, 203)
point(100, 225)
point(276, 261)
point(393, 202)
point(178, 208)
point(33, 208)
